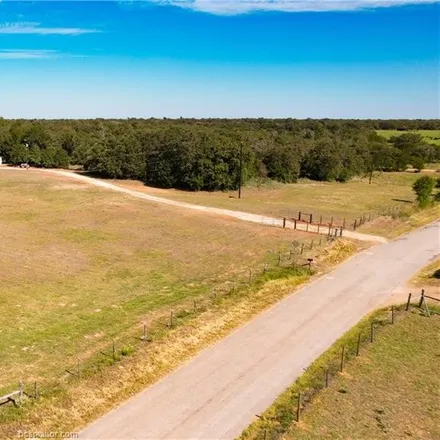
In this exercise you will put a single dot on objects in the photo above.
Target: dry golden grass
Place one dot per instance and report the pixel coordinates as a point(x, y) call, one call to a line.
point(428, 276)
point(429, 280)
point(83, 266)
point(392, 227)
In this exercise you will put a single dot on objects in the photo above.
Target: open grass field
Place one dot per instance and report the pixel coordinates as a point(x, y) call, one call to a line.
point(340, 200)
point(82, 266)
point(431, 136)
point(392, 391)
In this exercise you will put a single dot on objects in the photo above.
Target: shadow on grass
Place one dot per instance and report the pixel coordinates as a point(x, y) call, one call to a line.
point(402, 201)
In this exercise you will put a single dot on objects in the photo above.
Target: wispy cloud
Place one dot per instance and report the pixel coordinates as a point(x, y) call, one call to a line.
point(25, 54)
point(230, 7)
point(37, 29)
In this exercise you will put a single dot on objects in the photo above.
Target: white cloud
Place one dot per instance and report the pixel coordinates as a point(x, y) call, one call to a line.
point(25, 54)
point(36, 29)
point(231, 7)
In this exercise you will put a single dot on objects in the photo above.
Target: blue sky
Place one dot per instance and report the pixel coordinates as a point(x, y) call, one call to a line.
point(220, 58)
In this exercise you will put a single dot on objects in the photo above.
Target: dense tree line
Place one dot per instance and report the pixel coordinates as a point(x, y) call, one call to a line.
point(208, 154)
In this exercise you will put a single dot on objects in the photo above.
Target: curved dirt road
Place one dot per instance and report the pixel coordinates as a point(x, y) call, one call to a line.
point(217, 394)
point(244, 216)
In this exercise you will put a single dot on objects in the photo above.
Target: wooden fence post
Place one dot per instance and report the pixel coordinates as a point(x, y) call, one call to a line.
point(408, 303)
point(422, 297)
point(298, 408)
point(372, 332)
point(342, 359)
point(299, 215)
point(279, 259)
point(250, 276)
point(343, 223)
point(284, 222)
point(392, 314)
point(311, 245)
point(355, 224)
point(358, 348)
point(302, 248)
point(171, 317)
point(320, 219)
point(319, 225)
point(307, 227)
point(326, 378)
point(144, 333)
point(294, 223)
point(195, 304)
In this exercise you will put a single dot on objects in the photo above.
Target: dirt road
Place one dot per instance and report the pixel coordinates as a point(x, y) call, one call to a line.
point(244, 216)
point(217, 394)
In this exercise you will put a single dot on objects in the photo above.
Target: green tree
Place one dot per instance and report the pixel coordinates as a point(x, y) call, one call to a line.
point(423, 188)
point(18, 154)
point(35, 155)
point(418, 163)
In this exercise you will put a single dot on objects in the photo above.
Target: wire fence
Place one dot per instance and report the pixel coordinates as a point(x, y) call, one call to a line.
point(274, 428)
point(297, 259)
point(333, 222)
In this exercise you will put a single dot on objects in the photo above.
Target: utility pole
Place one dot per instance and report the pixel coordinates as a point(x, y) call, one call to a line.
point(240, 177)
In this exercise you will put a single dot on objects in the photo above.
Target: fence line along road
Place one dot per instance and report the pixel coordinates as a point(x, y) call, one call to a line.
point(244, 216)
point(219, 393)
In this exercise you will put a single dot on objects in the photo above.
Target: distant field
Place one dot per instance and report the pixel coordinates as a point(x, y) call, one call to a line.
point(81, 266)
point(391, 392)
point(431, 136)
point(340, 200)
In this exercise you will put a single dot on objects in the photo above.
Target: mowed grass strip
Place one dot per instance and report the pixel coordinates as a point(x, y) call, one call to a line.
point(392, 391)
point(330, 199)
